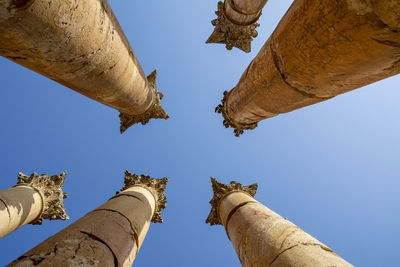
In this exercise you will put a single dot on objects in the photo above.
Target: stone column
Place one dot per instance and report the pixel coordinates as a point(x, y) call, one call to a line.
point(111, 235)
point(320, 49)
point(236, 23)
point(260, 236)
point(80, 44)
point(33, 199)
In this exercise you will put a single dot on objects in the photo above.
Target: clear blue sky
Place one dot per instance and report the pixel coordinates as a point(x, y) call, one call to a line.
point(332, 168)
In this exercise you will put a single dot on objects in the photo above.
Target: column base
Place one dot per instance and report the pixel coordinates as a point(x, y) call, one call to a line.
point(156, 111)
point(231, 34)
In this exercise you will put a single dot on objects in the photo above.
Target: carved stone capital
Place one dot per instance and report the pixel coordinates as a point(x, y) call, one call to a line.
point(231, 34)
point(156, 111)
point(51, 191)
point(220, 191)
point(155, 186)
point(238, 128)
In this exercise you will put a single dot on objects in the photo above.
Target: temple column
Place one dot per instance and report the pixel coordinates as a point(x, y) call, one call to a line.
point(33, 199)
point(110, 235)
point(320, 49)
point(260, 236)
point(81, 45)
point(236, 23)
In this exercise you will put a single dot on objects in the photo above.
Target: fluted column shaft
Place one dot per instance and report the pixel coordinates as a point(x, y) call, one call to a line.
point(81, 45)
point(260, 236)
point(320, 49)
point(34, 198)
point(110, 235)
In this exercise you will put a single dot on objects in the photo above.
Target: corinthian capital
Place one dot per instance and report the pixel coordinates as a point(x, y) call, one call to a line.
point(222, 190)
point(156, 111)
point(51, 191)
point(155, 186)
point(230, 33)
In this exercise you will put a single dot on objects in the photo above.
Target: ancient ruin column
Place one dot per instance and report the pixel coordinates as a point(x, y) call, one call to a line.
point(111, 235)
point(81, 45)
point(236, 23)
point(33, 199)
point(260, 236)
point(320, 49)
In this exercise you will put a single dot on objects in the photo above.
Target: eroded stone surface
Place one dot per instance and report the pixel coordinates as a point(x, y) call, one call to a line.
point(317, 52)
point(80, 45)
point(262, 237)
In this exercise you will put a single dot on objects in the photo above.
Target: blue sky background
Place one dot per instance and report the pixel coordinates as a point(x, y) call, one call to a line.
point(332, 168)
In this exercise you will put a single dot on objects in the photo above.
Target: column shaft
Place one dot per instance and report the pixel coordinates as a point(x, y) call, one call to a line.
point(260, 236)
point(34, 198)
point(244, 12)
point(263, 238)
point(81, 45)
point(319, 50)
point(18, 206)
point(110, 235)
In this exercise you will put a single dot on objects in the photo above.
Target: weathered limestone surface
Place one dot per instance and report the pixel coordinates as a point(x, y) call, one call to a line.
point(33, 199)
point(320, 49)
point(236, 23)
point(111, 235)
point(260, 236)
point(80, 44)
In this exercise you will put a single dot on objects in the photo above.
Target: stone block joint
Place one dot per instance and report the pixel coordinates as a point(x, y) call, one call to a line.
point(220, 191)
point(155, 186)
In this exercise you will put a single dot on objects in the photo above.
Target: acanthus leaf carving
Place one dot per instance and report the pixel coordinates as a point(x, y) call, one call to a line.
point(231, 34)
point(156, 111)
point(51, 191)
point(155, 186)
point(220, 191)
point(238, 128)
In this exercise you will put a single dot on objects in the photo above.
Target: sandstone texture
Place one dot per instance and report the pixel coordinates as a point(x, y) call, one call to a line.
point(320, 49)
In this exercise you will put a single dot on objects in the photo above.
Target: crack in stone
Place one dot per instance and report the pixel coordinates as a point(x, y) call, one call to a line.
point(301, 244)
point(135, 235)
point(104, 243)
point(279, 65)
point(232, 212)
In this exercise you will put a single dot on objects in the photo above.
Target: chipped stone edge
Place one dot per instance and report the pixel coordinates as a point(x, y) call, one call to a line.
point(231, 34)
point(155, 186)
point(238, 128)
point(156, 111)
point(51, 191)
point(220, 191)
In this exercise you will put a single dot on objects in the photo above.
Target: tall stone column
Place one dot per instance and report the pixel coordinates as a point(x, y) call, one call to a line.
point(236, 23)
point(111, 235)
point(33, 199)
point(80, 44)
point(320, 49)
point(260, 236)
